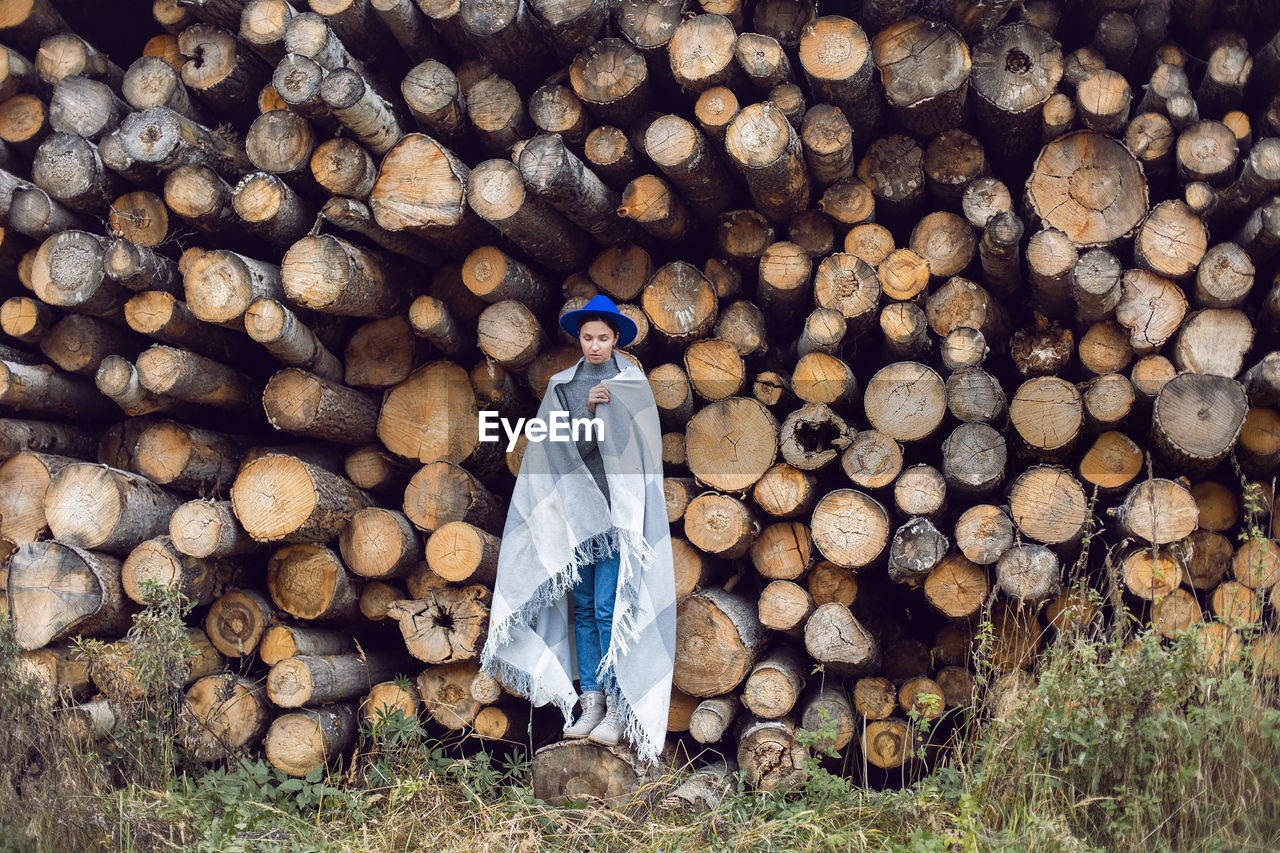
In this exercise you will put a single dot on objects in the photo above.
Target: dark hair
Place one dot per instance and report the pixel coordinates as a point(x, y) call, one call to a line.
point(603, 318)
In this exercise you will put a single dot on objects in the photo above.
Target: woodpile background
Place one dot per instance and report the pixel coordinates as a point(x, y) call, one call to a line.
point(953, 311)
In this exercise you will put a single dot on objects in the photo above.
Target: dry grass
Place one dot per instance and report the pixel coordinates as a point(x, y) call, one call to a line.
point(1125, 743)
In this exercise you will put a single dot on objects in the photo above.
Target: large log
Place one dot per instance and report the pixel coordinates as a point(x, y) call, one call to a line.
point(556, 174)
point(43, 437)
point(448, 626)
point(24, 478)
point(766, 149)
point(1088, 186)
point(1197, 419)
point(282, 641)
point(56, 590)
point(446, 692)
point(302, 741)
point(310, 582)
point(94, 506)
point(924, 67)
point(719, 639)
point(497, 193)
point(749, 426)
point(1015, 70)
point(187, 376)
point(188, 459)
point(223, 715)
point(280, 497)
point(380, 543)
point(1048, 504)
point(314, 679)
point(305, 404)
point(334, 276)
point(834, 637)
point(421, 187)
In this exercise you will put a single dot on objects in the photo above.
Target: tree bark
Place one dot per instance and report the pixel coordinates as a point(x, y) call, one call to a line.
point(329, 274)
point(315, 679)
point(766, 149)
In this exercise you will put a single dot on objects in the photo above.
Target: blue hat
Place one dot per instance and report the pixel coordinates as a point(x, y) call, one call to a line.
point(601, 304)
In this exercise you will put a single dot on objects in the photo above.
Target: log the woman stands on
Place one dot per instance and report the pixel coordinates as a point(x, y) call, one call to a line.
point(919, 300)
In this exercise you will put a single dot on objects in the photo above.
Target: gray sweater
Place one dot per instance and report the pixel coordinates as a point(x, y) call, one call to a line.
point(575, 397)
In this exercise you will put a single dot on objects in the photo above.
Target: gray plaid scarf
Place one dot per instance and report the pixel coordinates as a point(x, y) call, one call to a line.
point(557, 523)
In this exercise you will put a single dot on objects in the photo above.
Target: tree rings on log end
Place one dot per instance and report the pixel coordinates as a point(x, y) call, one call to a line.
point(718, 639)
point(850, 528)
point(1090, 187)
point(576, 770)
point(731, 443)
point(906, 401)
point(1158, 511)
point(275, 496)
point(1198, 417)
point(1048, 505)
point(303, 740)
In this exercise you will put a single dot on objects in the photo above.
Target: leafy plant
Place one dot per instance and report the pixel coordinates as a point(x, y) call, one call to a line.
point(144, 676)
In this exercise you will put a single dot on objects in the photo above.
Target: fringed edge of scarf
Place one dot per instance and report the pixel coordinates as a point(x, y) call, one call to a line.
point(632, 549)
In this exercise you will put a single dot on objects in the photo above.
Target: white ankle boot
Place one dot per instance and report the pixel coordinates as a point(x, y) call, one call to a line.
point(592, 713)
point(610, 728)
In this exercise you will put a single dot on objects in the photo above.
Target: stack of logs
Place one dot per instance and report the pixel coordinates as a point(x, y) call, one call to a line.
point(952, 312)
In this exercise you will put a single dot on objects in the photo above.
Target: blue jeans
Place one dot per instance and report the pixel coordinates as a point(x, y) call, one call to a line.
point(593, 598)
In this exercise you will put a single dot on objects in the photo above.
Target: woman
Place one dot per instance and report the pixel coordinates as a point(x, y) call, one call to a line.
point(589, 516)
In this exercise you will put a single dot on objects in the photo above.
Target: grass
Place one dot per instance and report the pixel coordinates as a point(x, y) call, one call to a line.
point(1125, 742)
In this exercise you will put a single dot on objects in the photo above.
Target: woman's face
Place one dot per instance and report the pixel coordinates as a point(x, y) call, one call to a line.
point(597, 341)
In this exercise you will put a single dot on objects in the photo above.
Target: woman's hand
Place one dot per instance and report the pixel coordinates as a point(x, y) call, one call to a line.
point(599, 393)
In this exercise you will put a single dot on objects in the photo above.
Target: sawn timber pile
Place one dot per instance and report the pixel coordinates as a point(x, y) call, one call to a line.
point(955, 314)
